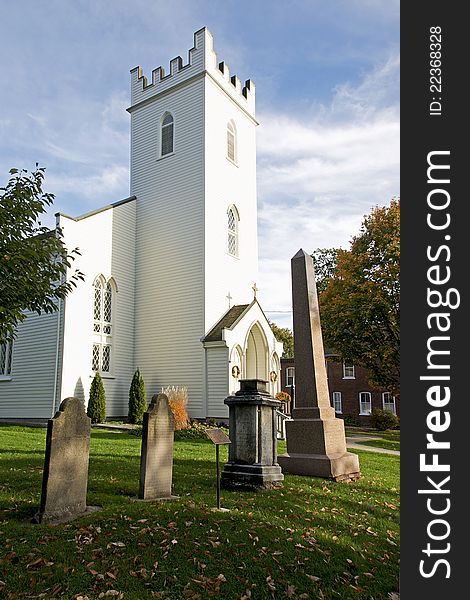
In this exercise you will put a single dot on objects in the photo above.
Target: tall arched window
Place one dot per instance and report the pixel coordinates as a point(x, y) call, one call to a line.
point(167, 134)
point(102, 325)
point(231, 142)
point(232, 231)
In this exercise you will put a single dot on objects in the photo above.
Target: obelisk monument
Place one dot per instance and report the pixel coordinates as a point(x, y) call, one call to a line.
point(316, 442)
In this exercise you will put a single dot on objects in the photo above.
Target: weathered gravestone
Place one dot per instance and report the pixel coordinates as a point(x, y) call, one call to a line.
point(156, 459)
point(65, 478)
point(316, 442)
point(252, 460)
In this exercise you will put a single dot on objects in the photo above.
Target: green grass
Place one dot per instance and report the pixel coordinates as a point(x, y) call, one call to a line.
point(312, 539)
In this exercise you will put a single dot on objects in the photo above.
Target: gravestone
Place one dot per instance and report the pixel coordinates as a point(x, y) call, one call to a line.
point(252, 460)
point(156, 459)
point(65, 477)
point(316, 442)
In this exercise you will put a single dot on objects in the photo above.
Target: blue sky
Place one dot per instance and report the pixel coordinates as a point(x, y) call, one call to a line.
point(327, 92)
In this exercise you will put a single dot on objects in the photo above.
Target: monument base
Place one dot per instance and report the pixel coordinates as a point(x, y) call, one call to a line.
point(62, 517)
point(236, 476)
point(156, 499)
point(317, 447)
point(341, 467)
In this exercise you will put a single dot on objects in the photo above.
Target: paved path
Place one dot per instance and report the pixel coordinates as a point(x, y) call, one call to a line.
point(354, 441)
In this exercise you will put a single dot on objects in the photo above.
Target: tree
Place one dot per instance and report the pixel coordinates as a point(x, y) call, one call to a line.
point(97, 402)
point(325, 260)
point(284, 335)
point(360, 304)
point(137, 399)
point(33, 259)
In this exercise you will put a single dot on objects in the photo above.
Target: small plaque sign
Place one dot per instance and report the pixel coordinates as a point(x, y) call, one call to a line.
point(217, 436)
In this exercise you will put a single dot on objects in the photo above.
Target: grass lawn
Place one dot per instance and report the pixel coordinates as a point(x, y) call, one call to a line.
point(313, 539)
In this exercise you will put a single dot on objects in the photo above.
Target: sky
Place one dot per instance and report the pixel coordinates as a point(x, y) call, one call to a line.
point(327, 100)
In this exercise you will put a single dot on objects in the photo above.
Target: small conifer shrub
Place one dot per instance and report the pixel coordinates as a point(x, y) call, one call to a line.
point(137, 399)
point(97, 403)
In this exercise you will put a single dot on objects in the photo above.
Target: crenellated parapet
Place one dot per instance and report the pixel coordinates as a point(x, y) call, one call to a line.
point(202, 60)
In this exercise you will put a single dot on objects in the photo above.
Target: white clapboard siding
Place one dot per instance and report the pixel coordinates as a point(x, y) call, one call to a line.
point(106, 240)
point(30, 391)
point(217, 381)
point(170, 244)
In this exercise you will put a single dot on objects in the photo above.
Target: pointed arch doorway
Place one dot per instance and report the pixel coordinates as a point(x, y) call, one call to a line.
point(257, 354)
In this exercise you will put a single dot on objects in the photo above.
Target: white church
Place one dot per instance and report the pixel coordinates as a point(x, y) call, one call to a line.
point(170, 271)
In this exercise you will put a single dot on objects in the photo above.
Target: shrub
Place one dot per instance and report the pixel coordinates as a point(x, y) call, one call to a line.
point(285, 398)
point(97, 403)
point(178, 400)
point(383, 419)
point(137, 399)
point(351, 420)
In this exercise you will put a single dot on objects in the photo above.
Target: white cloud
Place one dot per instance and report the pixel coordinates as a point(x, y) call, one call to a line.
point(318, 176)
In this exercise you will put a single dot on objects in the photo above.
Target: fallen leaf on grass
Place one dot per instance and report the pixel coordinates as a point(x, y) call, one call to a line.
point(290, 591)
point(39, 562)
point(313, 577)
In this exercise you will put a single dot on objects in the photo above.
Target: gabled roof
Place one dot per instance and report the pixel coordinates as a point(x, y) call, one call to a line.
point(226, 322)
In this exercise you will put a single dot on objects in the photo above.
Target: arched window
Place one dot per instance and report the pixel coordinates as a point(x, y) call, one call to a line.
point(6, 353)
point(231, 142)
point(167, 134)
point(102, 325)
point(232, 231)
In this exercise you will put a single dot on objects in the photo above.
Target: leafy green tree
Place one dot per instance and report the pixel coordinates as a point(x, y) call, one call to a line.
point(97, 403)
point(137, 399)
point(34, 262)
point(360, 304)
point(284, 335)
point(325, 260)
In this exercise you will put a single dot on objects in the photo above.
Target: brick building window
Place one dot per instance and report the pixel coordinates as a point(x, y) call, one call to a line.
point(365, 403)
point(388, 403)
point(337, 404)
point(290, 376)
point(348, 370)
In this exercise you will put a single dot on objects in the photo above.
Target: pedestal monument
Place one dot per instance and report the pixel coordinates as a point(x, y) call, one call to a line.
point(316, 442)
point(252, 455)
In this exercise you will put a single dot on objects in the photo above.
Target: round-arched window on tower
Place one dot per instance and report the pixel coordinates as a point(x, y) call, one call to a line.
point(232, 231)
point(231, 142)
point(167, 134)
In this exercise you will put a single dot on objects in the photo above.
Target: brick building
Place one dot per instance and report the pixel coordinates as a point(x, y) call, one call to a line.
point(350, 392)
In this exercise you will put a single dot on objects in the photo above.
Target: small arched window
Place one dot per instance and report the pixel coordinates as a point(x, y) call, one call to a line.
point(167, 134)
point(231, 142)
point(102, 325)
point(232, 231)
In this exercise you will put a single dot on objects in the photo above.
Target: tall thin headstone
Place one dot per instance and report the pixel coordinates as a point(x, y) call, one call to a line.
point(156, 459)
point(65, 476)
point(316, 441)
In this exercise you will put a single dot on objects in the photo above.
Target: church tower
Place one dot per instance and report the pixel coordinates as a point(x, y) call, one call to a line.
point(169, 271)
point(193, 172)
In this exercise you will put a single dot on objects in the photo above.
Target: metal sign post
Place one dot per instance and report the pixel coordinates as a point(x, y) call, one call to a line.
point(218, 438)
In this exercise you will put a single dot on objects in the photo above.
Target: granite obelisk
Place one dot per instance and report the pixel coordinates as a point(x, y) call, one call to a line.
point(316, 442)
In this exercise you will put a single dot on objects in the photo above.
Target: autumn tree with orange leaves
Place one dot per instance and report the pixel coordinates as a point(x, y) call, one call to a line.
point(360, 297)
